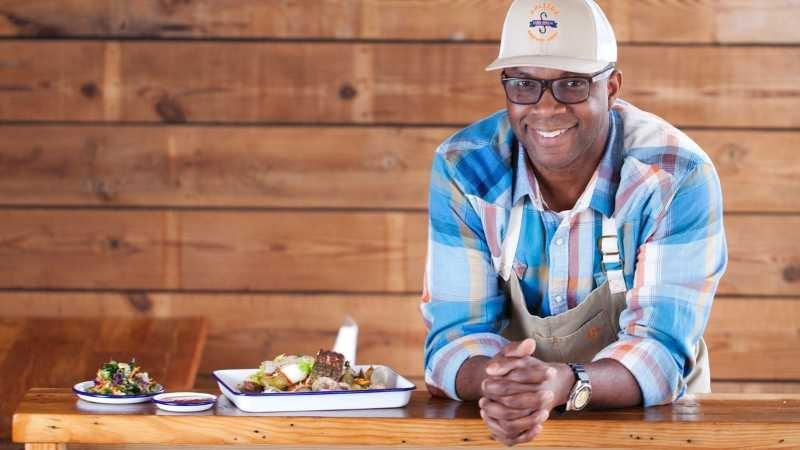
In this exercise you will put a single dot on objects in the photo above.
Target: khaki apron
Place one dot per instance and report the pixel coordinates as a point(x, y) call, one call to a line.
point(579, 334)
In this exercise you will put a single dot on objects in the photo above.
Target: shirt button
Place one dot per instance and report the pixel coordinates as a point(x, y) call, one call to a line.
point(559, 242)
point(559, 299)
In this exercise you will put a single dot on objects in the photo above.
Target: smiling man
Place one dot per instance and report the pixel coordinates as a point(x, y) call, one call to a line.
point(576, 242)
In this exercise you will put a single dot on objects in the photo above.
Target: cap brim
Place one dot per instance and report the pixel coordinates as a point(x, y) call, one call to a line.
point(581, 66)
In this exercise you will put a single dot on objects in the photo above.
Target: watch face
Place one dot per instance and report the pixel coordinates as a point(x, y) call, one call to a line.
point(582, 397)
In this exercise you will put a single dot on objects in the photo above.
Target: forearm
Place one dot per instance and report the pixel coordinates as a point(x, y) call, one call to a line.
point(613, 385)
point(470, 376)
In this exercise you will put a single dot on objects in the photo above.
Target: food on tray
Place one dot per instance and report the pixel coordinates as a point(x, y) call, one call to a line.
point(328, 371)
point(118, 378)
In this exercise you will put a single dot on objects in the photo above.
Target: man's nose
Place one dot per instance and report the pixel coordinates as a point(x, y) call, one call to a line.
point(548, 104)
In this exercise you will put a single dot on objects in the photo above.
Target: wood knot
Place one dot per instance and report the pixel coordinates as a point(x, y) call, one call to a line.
point(170, 110)
point(140, 301)
point(347, 92)
point(792, 273)
point(89, 90)
point(113, 243)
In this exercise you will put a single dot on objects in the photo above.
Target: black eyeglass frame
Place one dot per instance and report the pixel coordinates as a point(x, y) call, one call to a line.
point(547, 84)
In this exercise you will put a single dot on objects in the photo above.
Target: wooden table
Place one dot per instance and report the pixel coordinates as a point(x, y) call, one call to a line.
point(53, 417)
point(62, 352)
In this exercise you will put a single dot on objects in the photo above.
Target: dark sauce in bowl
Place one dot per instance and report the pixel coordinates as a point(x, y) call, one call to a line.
point(187, 401)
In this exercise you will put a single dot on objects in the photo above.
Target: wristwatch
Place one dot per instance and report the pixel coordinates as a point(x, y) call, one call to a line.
point(581, 392)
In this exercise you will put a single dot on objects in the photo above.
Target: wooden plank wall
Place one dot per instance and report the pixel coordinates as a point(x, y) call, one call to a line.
point(264, 164)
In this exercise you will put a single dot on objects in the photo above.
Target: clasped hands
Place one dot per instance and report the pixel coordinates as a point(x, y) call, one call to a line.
point(517, 394)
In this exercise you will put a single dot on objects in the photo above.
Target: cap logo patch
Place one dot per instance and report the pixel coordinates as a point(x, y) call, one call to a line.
point(543, 25)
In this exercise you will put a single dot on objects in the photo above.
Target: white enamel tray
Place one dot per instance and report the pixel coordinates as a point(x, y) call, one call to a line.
point(395, 396)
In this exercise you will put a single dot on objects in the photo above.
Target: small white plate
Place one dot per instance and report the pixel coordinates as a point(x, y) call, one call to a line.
point(396, 395)
point(82, 391)
point(178, 401)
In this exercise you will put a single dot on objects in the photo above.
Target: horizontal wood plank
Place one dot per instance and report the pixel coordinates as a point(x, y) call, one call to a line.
point(245, 329)
point(302, 251)
point(295, 167)
point(298, 251)
point(705, 421)
point(302, 167)
point(364, 83)
point(675, 21)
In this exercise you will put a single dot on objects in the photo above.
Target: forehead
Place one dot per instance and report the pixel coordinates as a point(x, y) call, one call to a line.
point(539, 72)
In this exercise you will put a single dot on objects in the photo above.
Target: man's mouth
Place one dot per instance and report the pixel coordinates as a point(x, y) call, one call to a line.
point(552, 133)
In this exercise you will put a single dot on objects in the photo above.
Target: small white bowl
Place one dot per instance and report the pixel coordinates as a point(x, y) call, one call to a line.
point(185, 401)
point(82, 391)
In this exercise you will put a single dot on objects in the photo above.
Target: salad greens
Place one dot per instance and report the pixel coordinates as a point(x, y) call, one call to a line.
point(119, 378)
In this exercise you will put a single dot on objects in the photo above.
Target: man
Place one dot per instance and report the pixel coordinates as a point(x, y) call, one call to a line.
point(576, 242)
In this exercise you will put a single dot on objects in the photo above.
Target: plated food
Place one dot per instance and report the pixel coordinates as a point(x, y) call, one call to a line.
point(327, 371)
point(319, 383)
point(118, 378)
point(119, 383)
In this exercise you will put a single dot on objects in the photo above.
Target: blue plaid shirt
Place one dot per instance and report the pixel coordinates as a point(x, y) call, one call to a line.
point(665, 195)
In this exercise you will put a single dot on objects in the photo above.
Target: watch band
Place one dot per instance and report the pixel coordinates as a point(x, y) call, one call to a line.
point(581, 391)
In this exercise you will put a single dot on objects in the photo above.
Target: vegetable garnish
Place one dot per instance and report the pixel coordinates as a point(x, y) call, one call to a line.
point(119, 378)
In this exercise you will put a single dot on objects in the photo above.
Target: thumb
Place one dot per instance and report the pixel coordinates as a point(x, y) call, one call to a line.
point(524, 348)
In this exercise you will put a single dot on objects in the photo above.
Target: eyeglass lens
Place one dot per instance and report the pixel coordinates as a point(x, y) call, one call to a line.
point(565, 90)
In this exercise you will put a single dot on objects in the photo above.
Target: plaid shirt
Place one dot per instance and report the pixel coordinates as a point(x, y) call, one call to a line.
point(665, 196)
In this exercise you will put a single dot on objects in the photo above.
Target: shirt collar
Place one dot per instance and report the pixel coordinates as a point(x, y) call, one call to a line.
point(607, 173)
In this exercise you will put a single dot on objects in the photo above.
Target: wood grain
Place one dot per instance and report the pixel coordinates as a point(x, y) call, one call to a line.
point(722, 387)
point(709, 421)
point(292, 167)
point(677, 21)
point(413, 83)
point(245, 329)
point(298, 251)
point(308, 251)
point(306, 167)
point(59, 352)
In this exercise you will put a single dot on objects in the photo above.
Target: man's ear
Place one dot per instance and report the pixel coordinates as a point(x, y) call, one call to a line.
point(614, 86)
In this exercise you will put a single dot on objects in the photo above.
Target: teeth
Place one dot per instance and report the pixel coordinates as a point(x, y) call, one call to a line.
point(551, 134)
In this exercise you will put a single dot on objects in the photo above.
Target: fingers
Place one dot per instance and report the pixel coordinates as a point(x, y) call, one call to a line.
point(500, 411)
point(526, 436)
point(515, 431)
point(533, 400)
point(535, 371)
point(520, 349)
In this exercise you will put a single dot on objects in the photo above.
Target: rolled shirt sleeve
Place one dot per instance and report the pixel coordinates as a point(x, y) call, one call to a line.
point(678, 268)
point(462, 304)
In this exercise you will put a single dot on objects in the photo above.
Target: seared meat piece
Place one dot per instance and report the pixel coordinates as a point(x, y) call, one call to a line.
point(251, 386)
point(328, 364)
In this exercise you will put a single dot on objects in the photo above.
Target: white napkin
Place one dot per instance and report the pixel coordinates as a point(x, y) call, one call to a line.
point(347, 340)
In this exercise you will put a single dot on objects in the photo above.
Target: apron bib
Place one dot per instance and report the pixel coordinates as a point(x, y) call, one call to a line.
point(580, 333)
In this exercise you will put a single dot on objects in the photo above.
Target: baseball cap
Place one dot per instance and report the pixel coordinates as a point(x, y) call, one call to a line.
point(569, 35)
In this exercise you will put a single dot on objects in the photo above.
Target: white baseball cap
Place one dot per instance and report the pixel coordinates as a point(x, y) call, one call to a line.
point(569, 35)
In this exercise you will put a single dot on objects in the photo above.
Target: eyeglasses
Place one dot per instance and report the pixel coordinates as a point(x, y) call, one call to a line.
point(569, 90)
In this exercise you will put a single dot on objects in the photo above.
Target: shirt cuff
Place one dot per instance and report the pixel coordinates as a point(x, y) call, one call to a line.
point(444, 365)
point(651, 364)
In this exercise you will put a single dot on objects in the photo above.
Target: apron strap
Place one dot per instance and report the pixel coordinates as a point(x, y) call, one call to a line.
point(511, 240)
point(610, 262)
